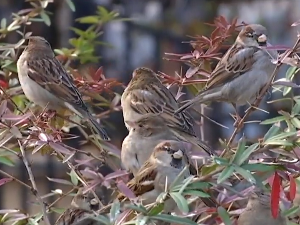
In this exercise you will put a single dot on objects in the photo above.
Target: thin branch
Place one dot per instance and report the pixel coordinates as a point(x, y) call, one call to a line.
point(15, 179)
point(34, 187)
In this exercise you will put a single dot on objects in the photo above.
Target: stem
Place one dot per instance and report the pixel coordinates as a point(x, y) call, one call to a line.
point(34, 187)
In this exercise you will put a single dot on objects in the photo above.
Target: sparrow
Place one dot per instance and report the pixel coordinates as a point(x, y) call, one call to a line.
point(162, 161)
point(158, 173)
point(149, 131)
point(242, 72)
point(258, 211)
point(45, 82)
point(81, 212)
point(146, 95)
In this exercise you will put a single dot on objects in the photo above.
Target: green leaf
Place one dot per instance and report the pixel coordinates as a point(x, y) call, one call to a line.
point(290, 73)
point(156, 210)
point(180, 201)
point(74, 178)
point(291, 211)
point(208, 169)
point(45, 18)
point(239, 151)
point(246, 154)
point(173, 219)
point(258, 167)
point(246, 174)
point(138, 208)
point(88, 20)
point(198, 185)
point(296, 108)
point(142, 220)
point(195, 193)
point(57, 210)
point(186, 183)
point(6, 161)
point(226, 173)
point(275, 129)
point(115, 210)
point(224, 215)
point(221, 161)
point(71, 5)
point(283, 135)
point(278, 142)
point(179, 178)
point(273, 120)
point(296, 122)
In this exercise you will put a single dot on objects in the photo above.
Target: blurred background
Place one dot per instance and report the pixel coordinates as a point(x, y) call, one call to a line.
point(158, 27)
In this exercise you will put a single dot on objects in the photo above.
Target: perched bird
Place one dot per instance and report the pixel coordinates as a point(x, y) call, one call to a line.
point(258, 211)
point(81, 212)
point(163, 162)
point(242, 72)
point(45, 82)
point(149, 131)
point(146, 95)
point(158, 173)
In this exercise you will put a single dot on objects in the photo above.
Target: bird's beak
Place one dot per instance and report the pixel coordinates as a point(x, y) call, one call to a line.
point(178, 154)
point(262, 40)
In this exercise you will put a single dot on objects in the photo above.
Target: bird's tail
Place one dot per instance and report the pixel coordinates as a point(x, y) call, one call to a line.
point(98, 128)
point(197, 99)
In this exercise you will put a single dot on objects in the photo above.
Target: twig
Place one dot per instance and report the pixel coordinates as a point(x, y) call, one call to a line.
point(80, 178)
point(207, 176)
point(202, 134)
point(60, 198)
point(34, 187)
point(15, 179)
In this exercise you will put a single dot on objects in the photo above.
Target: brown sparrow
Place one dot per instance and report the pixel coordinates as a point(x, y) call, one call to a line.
point(242, 72)
point(258, 211)
point(146, 95)
point(81, 211)
point(158, 173)
point(45, 82)
point(149, 131)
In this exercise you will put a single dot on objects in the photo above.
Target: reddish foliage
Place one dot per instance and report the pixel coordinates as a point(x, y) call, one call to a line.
point(205, 49)
point(275, 195)
point(293, 188)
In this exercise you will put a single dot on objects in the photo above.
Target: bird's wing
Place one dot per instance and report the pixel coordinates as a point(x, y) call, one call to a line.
point(159, 100)
point(71, 215)
point(193, 139)
point(52, 76)
point(143, 181)
point(236, 61)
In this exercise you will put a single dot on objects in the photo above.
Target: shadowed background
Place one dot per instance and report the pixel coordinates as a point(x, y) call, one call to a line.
point(157, 27)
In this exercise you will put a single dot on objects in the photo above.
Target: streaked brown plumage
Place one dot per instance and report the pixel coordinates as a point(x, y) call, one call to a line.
point(242, 72)
point(45, 82)
point(81, 211)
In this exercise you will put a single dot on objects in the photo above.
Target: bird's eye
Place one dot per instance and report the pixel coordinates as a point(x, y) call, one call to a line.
point(249, 35)
point(167, 148)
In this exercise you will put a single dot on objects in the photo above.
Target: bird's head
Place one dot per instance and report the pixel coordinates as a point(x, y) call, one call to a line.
point(253, 35)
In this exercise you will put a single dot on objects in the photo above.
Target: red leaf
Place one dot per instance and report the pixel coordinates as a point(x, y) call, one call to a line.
point(3, 84)
point(5, 180)
point(293, 187)
point(275, 195)
point(98, 74)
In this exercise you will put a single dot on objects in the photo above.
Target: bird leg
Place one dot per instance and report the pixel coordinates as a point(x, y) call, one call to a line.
point(237, 118)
